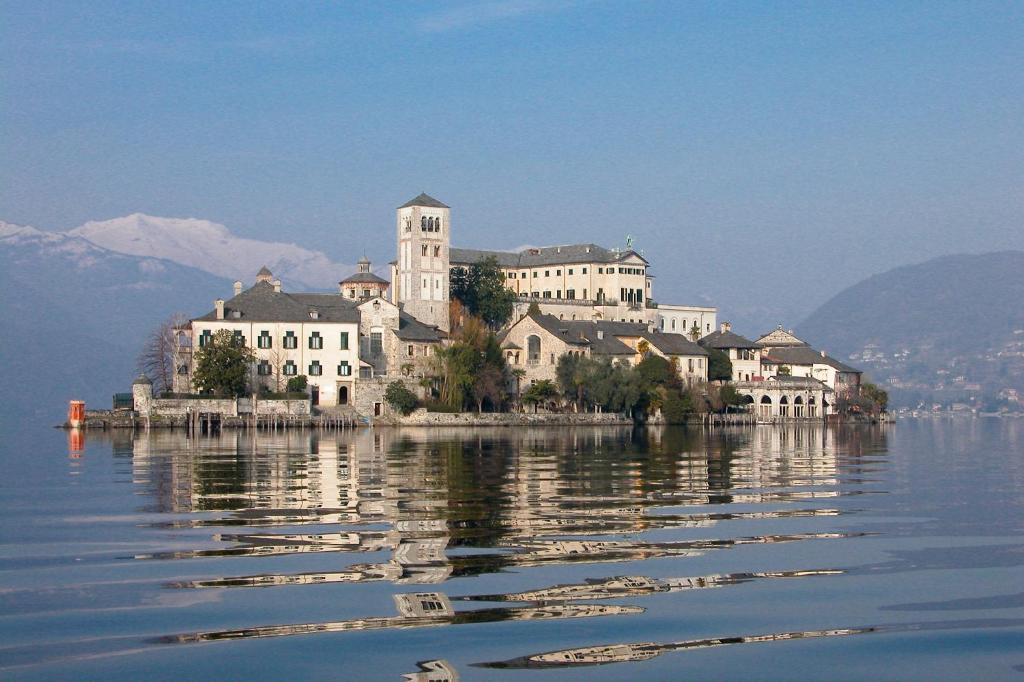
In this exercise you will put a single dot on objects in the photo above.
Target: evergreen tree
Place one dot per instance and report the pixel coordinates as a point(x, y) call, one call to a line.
point(222, 366)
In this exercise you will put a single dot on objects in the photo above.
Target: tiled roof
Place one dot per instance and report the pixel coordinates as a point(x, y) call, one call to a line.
point(411, 329)
point(547, 255)
point(718, 339)
point(260, 303)
point(364, 278)
point(805, 355)
point(674, 344)
point(424, 200)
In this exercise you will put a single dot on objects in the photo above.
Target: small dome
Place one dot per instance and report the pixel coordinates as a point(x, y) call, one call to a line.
point(364, 259)
point(142, 379)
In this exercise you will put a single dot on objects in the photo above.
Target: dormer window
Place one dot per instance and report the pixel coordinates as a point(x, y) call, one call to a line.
point(237, 314)
point(314, 314)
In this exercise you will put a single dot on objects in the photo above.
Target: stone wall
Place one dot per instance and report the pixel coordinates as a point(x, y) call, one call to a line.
point(421, 417)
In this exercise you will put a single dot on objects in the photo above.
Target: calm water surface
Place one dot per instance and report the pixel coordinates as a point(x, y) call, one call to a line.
point(592, 553)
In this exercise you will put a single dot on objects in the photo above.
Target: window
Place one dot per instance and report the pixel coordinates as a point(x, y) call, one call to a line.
point(570, 271)
point(237, 338)
point(263, 368)
point(522, 275)
point(673, 324)
point(584, 271)
point(205, 338)
point(344, 369)
point(182, 369)
point(690, 364)
point(558, 273)
point(535, 274)
point(316, 342)
point(423, 250)
point(547, 294)
point(366, 372)
point(558, 293)
point(290, 369)
point(343, 345)
point(437, 252)
point(423, 223)
point(570, 294)
point(290, 340)
point(600, 271)
point(410, 350)
point(315, 369)
point(547, 273)
point(376, 343)
point(264, 340)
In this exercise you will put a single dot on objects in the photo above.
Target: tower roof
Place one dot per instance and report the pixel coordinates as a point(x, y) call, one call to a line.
point(265, 272)
point(424, 200)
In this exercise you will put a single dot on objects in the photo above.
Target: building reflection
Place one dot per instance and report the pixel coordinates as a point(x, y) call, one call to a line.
point(439, 503)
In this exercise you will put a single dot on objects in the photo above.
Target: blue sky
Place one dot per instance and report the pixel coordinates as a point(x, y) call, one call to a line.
point(762, 154)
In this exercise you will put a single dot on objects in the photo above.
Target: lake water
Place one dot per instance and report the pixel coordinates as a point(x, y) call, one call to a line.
point(883, 553)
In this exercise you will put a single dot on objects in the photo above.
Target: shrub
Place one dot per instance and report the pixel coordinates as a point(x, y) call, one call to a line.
point(297, 384)
point(400, 398)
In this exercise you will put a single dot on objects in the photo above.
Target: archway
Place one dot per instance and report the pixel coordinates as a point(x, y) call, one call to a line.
point(798, 406)
point(783, 406)
point(766, 406)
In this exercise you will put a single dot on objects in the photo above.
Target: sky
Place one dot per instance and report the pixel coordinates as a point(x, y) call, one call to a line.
point(762, 155)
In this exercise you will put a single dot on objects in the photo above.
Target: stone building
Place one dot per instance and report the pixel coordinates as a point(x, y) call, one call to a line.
point(744, 354)
point(536, 342)
point(785, 354)
point(363, 284)
point(420, 275)
point(589, 282)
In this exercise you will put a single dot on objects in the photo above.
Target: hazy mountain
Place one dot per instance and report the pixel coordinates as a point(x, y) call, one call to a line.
point(951, 325)
point(211, 247)
point(75, 315)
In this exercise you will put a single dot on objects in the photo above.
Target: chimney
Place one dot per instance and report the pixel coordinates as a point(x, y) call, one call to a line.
point(726, 327)
point(238, 287)
point(277, 285)
point(822, 353)
point(219, 306)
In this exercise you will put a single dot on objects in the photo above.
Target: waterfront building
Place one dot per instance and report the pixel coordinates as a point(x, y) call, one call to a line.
point(783, 353)
point(535, 343)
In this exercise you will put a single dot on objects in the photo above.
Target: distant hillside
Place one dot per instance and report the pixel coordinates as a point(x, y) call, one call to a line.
point(75, 315)
point(953, 324)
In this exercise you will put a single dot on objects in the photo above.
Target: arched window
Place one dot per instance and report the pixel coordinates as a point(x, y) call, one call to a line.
point(430, 224)
point(423, 222)
point(533, 349)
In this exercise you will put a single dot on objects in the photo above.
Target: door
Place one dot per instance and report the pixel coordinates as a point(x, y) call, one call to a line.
point(342, 394)
point(314, 394)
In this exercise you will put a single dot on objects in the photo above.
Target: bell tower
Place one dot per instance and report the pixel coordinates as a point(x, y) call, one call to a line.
point(422, 270)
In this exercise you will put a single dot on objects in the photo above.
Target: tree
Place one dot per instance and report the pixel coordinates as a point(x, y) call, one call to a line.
point(533, 309)
point(540, 392)
point(695, 332)
point(222, 365)
point(719, 365)
point(297, 384)
point(656, 370)
point(876, 398)
point(157, 359)
point(730, 397)
point(489, 385)
point(400, 398)
point(481, 289)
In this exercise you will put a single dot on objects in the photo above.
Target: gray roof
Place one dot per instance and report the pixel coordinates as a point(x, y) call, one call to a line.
point(265, 271)
point(720, 339)
point(424, 200)
point(674, 344)
point(547, 255)
point(805, 355)
point(585, 333)
point(260, 303)
point(364, 278)
point(411, 329)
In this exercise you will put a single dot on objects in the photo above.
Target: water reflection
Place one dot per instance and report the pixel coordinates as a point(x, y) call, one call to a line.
point(432, 506)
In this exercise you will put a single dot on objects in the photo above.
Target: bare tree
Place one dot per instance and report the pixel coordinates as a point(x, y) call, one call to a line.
point(276, 359)
point(159, 350)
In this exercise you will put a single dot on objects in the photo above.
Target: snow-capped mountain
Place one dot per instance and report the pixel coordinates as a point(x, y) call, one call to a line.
point(213, 248)
point(76, 314)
